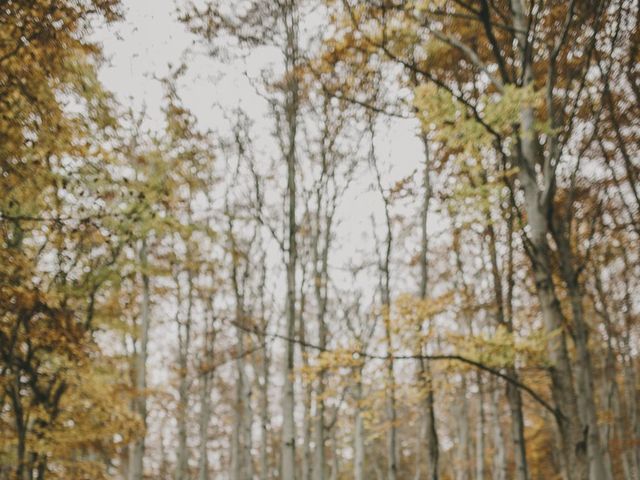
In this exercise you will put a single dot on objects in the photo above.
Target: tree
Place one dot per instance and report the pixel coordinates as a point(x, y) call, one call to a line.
point(516, 78)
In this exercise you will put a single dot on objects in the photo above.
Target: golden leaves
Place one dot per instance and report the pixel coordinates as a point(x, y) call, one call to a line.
point(502, 348)
point(457, 128)
point(415, 309)
point(410, 314)
point(58, 250)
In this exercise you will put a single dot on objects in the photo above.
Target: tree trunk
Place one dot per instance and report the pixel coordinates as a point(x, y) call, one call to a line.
point(499, 467)
point(264, 416)
point(264, 383)
point(537, 204)
point(241, 461)
point(385, 297)
point(392, 466)
point(358, 443)
point(136, 463)
point(207, 370)
point(584, 369)
point(335, 464)
point(463, 447)
point(320, 249)
point(319, 435)
point(431, 434)
point(573, 444)
point(463, 465)
point(504, 316)
point(205, 415)
point(480, 448)
point(630, 374)
point(306, 463)
point(611, 398)
point(288, 467)
point(580, 444)
point(184, 341)
point(21, 470)
point(203, 424)
point(633, 413)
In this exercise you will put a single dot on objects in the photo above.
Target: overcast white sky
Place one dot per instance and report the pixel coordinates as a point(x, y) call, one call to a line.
point(139, 50)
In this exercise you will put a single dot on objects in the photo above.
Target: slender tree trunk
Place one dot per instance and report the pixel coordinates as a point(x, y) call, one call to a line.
point(392, 466)
point(612, 430)
point(288, 467)
point(430, 431)
point(499, 467)
point(264, 416)
point(385, 296)
point(264, 382)
point(207, 370)
point(205, 414)
point(630, 374)
point(463, 448)
point(306, 434)
point(241, 461)
point(431, 434)
point(321, 246)
point(306, 463)
point(247, 440)
point(504, 316)
point(136, 464)
point(319, 434)
point(584, 370)
point(611, 398)
point(203, 424)
point(463, 464)
point(184, 340)
point(21, 470)
point(480, 427)
point(632, 413)
point(335, 464)
point(358, 443)
point(164, 469)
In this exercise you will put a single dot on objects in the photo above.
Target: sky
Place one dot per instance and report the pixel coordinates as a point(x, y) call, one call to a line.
point(139, 50)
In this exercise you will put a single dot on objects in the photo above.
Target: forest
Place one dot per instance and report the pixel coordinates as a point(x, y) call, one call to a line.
point(351, 239)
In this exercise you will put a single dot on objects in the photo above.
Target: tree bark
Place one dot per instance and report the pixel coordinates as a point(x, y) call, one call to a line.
point(431, 434)
point(136, 464)
point(480, 427)
point(306, 464)
point(499, 467)
point(611, 398)
point(290, 20)
point(241, 461)
point(264, 382)
point(463, 448)
point(184, 342)
point(538, 203)
point(358, 438)
point(504, 316)
point(320, 250)
point(584, 370)
point(385, 297)
point(203, 424)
